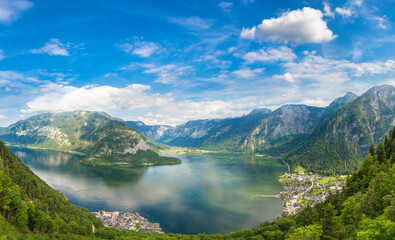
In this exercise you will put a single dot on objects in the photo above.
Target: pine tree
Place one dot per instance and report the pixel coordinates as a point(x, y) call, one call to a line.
point(371, 150)
point(380, 153)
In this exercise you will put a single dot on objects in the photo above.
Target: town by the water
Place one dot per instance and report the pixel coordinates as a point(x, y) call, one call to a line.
point(127, 221)
point(302, 189)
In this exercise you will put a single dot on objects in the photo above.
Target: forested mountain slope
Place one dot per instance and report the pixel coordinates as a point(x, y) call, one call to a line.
point(337, 145)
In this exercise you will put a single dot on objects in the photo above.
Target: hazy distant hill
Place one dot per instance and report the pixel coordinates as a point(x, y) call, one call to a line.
point(104, 140)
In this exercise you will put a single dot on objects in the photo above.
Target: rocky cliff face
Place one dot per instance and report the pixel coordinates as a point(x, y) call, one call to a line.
point(288, 120)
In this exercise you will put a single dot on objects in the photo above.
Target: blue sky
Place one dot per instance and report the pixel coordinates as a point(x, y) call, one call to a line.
point(167, 62)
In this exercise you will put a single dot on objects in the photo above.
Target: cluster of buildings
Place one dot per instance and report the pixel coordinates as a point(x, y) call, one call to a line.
point(127, 221)
point(301, 190)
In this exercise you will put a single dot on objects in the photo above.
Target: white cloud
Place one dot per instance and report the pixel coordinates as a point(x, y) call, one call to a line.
point(53, 48)
point(298, 26)
point(350, 8)
point(357, 3)
point(167, 74)
point(193, 23)
point(152, 108)
point(225, 6)
point(287, 77)
point(381, 22)
point(281, 53)
point(180, 112)
point(327, 10)
point(2, 117)
point(247, 72)
point(329, 71)
point(58, 98)
point(11, 9)
point(12, 78)
point(140, 48)
point(343, 11)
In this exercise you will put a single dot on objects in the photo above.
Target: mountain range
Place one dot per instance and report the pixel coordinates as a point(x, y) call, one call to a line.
point(326, 140)
point(101, 138)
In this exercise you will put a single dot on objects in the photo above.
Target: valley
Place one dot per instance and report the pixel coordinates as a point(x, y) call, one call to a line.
point(206, 193)
point(232, 168)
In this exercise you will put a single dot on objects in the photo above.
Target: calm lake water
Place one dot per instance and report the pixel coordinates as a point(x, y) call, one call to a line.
point(205, 194)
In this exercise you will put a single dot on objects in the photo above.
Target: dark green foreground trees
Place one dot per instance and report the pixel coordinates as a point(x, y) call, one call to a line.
point(365, 209)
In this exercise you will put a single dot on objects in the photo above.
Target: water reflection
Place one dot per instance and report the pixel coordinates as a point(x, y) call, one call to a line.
point(54, 161)
point(209, 194)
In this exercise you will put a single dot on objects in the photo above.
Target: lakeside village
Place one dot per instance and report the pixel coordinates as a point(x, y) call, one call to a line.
point(301, 189)
point(127, 221)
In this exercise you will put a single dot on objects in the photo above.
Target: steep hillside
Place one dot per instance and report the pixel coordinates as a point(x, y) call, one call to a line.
point(266, 132)
point(337, 145)
point(336, 105)
point(28, 202)
point(101, 138)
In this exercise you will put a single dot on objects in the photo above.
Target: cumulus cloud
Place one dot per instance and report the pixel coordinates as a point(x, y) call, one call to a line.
point(298, 26)
point(2, 117)
point(140, 48)
point(247, 72)
point(226, 7)
point(11, 9)
point(330, 71)
point(193, 23)
point(58, 98)
point(53, 48)
point(281, 53)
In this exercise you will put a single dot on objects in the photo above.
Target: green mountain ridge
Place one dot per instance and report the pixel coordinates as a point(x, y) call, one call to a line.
point(103, 139)
point(344, 138)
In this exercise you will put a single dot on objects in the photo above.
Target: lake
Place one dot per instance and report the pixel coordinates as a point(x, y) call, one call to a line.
point(205, 194)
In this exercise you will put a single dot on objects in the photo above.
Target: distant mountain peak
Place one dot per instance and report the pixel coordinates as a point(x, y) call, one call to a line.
point(349, 97)
point(260, 111)
point(382, 88)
